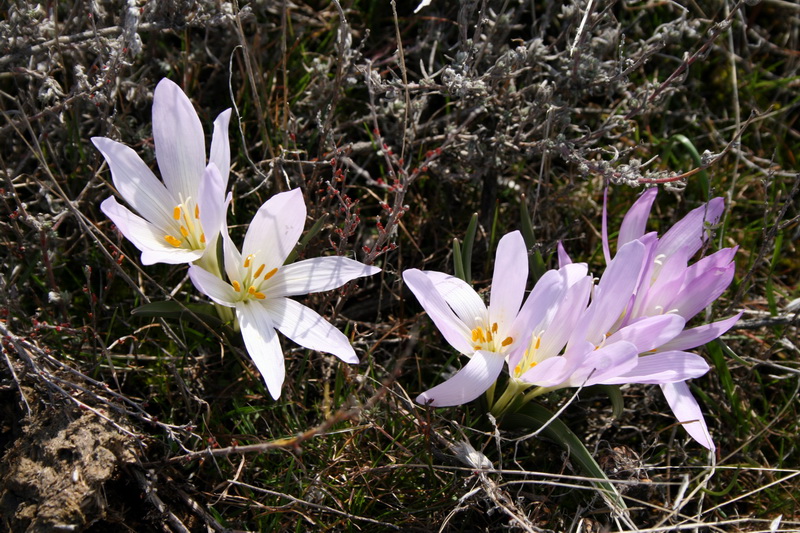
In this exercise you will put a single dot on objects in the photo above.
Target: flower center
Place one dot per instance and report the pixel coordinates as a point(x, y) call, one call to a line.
point(487, 339)
point(189, 234)
point(250, 286)
point(530, 358)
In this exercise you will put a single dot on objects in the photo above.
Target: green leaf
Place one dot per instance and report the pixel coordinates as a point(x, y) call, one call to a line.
point(469, 240)
point(201, 313)
point(535, 260)
point(533, 416)
point(458, 263)
point(614, 394)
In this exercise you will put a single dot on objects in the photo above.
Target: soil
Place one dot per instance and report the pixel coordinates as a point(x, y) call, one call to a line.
point(55, 468)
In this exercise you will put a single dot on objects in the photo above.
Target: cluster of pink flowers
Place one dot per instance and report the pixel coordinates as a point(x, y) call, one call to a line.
point(629, 327)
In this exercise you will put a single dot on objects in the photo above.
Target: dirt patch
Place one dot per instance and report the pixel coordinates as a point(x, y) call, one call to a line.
point(52, 476)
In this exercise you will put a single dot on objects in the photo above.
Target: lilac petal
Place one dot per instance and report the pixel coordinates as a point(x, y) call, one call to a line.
point(635, 221)
point(468, 383)
point(220, 153)
point(691, 338)
point(461, 297)
point(308, 329)
point(451, 327)
point(276, 228)
point(178, 136)
point(262, 344)
point(315, 275)
point(572, 307)
point(136, 183)
point(664, 367)
point(146, 237)
point(703, 290)
point(604, 363)
point(604, 228)
point(651, 332)
point(541, 305)
point(213, 287)
point(690, 233)
point(574, 272)
point(563, 257)
point(510, 277)
point(549, 373)
point(613, 293)
point(688, 412)
point(211, 202)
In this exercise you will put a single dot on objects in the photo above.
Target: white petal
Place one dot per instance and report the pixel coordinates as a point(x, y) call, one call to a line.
point(262, 344)
point(220, 153)
point(460, 296)
point(213, 287)
point(666, 367)
point(315, 275)
point(136, 183)
point(510, 277)
point(468, 383)
point(178, 136)
point(452, 328)
point(211, 201)
point(308, 329)
point(276, 228)
point(146, 237)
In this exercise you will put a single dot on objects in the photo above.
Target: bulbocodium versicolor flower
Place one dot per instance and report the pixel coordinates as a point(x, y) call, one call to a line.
point(180, 218)
point(258, 287)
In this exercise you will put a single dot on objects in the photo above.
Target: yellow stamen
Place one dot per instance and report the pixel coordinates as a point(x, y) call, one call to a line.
point(172, 240)
point(517, 369)
point(507, 341)
point(203, 237)
point(248, 260)
point(236, 286)
point(533, 364)
point(176, 212)
point(489, 336)
point(251, 290)
point(270, 273)
point(538, 343)
point(184, 231)
point(259, 271)
point(494, 327)
point(474, 335)
point(259, 295)
point(196, 211)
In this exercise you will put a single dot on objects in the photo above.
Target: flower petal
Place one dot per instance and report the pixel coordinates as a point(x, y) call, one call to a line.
point(549, 373)
point(541, 305)
point(691, 338)
point(604, 363)
point(234, 264)
point(509, 279)
point(468, 383)
point(690, 232)
point(262, 344)
point(315, 275)
point(220, 153)
point(178, 136)
point(213, 287)
point(650, 333)
point(664, 367)
point(452, 328)
point(276, 228)
point(688, 412)
point(146, 237)
point(613, 293)
point(563, 256)
point(211, 201)
point(696, 295)
point(461, 297)
point(635, 221)
point(136, 183)
point(309, 329)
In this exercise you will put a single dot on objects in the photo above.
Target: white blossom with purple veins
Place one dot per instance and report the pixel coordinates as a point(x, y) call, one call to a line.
point(180, 218)
point(259, 286)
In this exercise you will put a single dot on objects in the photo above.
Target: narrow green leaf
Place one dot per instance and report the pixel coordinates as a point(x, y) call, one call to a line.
point(536, 263)
point(533, 416)
point(614, 394)
point(469, 241)
point(203, 313)
point(458, 263)
point(315, 229)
